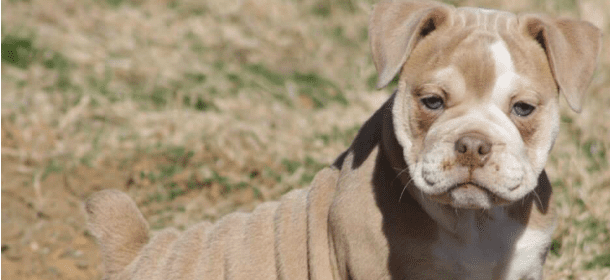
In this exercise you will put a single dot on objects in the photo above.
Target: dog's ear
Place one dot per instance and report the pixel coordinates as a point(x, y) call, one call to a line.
point(571, 47)
point(394, 30)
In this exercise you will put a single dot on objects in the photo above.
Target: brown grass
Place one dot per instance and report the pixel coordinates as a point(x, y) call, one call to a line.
point(199, 108)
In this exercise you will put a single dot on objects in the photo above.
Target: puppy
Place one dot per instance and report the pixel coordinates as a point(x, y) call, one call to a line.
point(445, 181)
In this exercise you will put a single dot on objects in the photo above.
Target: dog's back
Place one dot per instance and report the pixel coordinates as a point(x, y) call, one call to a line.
point(277, 240)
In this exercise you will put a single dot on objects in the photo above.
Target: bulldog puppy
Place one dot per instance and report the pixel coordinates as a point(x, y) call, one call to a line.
point(445, 181)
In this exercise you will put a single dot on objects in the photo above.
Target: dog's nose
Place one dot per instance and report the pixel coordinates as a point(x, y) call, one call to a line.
point(472, 150)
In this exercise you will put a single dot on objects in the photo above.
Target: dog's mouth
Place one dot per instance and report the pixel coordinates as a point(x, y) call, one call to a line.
point(469, 196)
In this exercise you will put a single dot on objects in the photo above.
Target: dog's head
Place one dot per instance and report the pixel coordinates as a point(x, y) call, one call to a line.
point(476, 111)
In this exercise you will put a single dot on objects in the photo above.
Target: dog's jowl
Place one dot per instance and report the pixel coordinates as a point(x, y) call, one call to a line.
point(445, 181)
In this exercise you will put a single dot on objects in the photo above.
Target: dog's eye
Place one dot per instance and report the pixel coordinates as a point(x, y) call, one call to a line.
point(523, 109)
point(433, 102)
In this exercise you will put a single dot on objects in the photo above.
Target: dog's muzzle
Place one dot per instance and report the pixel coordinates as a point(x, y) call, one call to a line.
point(470, 160)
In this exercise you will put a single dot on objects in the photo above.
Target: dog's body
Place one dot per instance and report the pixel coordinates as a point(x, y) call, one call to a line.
point(445, 181)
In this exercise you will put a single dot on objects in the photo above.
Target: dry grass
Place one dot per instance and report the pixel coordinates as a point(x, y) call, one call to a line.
point(198, 108)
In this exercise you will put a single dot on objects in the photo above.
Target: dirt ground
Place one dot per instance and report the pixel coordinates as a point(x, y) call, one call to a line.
point(200, 108)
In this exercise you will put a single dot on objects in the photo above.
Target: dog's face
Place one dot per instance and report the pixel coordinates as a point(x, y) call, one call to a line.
point(476, 110)
point(481, 119)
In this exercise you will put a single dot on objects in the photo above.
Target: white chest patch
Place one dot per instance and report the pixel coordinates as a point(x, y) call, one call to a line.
point(526, 261)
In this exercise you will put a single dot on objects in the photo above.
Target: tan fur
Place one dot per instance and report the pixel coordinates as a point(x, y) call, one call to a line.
point(402, 202)
point(571, 47)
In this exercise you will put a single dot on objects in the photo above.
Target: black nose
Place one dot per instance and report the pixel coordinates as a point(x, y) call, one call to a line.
point(472, 150)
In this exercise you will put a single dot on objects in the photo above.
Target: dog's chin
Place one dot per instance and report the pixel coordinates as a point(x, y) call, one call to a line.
point(469, 196)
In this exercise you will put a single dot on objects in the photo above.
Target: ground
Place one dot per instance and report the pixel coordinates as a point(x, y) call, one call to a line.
point(200, 108)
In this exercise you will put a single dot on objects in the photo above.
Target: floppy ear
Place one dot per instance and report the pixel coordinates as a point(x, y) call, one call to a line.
point(394, 30)
point(572, 48)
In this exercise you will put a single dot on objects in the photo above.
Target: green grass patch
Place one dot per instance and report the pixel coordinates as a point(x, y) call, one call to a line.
point(159, 96)
point(336, 135)
point(320, 90)
point(321, 8)
point(18, 51)
point(196, 8)
point(179, 155)
point(310, 165)
point(205, 105)
point(115, 3)
point(338, 33)
point(566, 119)
point(271, 76)
point(277, 177)
point(224, 182)
point(235, 79)
point(595, 152)
point(599, 262)
point(326, 8)
point(102, 85)
point(372, 82)
point(153, 197)
point(566, 5)
point(593, 229)
point(54, 60)
point(282, 98)
point(306, 178)
point(168, 170)
point(173, 191)
point(555, 247)
point(194, 42)
point(193, 184)
point(119, 3)
point(53, 166)
point(162, 222)
point(257, 193)
point(200, 104)
point(196, 77)
point(291, 165)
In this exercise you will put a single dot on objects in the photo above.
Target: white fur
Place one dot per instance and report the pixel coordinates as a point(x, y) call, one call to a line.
point(505, 72)
point(401, 126)
point(526, 258)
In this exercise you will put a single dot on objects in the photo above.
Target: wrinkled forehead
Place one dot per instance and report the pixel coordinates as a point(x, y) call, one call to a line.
point(483, 19)
point(480, 46)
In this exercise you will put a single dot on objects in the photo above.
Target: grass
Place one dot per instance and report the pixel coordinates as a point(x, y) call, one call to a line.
point(200, 108)
point(17, 51)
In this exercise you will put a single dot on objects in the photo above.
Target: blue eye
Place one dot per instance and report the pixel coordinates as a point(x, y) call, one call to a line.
point(523, 109)
point(433, 102)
